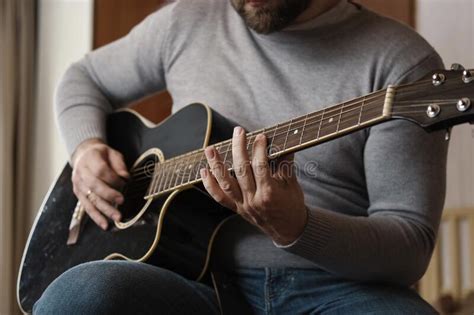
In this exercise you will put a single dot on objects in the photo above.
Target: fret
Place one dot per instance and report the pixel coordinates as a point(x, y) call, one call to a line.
point(156, 177)
point(164, 178)
point(227, 154)
point(350, 116)
point(373, 109)
point(201, 164)
point(175, 175)
point(227, 150)
point(294, 137)
point(271, 149)
point(360, 113)
point(171, 174)
point(287, 134)
point(340, 116)
point(152, 183)
point(302, 130)
point(192, 167)
point(185, 169)
point(321, 124)
point(249, 148)
point(179, 171)
point(329, 123)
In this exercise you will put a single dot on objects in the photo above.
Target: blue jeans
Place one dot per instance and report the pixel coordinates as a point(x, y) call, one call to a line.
point(120, 287)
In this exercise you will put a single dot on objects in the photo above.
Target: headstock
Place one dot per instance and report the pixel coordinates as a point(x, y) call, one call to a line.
point(442, 99)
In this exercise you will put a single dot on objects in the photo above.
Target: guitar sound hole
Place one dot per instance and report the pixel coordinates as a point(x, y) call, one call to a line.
point(136, 187)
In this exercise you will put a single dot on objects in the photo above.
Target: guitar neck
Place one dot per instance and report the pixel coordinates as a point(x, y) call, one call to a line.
point(284, 138)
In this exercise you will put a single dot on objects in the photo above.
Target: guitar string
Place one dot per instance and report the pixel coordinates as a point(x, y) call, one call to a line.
point(193, 170)
point(336, 108)
point(329, 125)
point(188, 175)
point(298, 127)
point(401, 90)
point(341, 122)
point(251, 140)
point(170, 188)
point(296, 120)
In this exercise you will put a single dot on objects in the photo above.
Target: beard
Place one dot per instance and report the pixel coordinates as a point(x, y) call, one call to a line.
point(271, 15)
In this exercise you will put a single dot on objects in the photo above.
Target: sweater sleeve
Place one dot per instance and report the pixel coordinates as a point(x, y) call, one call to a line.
point(405, 170)
point(111, 77)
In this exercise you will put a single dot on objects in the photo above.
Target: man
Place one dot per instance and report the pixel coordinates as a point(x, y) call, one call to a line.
point(349, 235)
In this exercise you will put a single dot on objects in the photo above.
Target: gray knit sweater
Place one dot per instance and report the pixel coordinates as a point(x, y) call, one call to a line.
point(375, 196)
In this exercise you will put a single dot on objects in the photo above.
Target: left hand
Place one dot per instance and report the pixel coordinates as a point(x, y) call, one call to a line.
point(269, 199)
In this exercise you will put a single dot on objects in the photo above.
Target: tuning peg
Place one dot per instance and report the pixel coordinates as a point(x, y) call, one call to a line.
point(457, 67)
point(438, 79)
point(468, 76)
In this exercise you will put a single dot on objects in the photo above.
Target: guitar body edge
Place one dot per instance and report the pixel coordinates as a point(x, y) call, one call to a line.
point(176, 231)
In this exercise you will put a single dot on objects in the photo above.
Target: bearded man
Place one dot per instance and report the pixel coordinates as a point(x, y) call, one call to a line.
point(351, 235)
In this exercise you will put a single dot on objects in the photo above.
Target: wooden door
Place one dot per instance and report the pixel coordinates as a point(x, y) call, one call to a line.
point(114, 19)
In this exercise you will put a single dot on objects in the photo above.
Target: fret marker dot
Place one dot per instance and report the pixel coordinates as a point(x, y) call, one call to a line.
point(295, 132)
point(331, 120)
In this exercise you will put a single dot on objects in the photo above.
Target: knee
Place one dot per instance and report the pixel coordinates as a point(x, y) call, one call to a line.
point(93, 287)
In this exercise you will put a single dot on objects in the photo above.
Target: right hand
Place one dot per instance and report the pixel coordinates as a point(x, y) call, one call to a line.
point(101, 170)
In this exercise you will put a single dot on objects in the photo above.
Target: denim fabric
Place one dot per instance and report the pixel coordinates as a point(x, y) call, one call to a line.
point(119, 287)
point(122, 287)
point(314, 291)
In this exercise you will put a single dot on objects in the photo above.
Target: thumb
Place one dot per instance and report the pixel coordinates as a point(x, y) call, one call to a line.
point(117, 163)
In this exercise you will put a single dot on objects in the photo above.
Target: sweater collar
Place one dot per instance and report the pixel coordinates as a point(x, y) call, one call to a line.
point(338, 14)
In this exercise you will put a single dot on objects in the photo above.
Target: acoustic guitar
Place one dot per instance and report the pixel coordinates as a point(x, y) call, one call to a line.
point(168, 219)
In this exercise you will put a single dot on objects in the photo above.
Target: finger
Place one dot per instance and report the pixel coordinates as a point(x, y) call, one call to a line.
point(102, 170)
point(100, 188)
point(117, 163)
point(93, 213)
point(215, 191)
point(260, 166)
point(241, 162)
point(105, 207)
point(226, 182)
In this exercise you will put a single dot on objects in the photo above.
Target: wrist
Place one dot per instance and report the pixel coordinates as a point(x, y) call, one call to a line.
point(84, 146)
point(295, 233)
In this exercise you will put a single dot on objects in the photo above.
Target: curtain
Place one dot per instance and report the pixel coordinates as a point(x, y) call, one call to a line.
point(17, 55)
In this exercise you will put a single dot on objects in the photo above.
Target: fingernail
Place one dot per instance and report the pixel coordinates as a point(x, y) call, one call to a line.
point(203, 172)
point(260, 136)
point(116, 217)
point(104, 226)
point(209, 152)
point(119, 200)
point(237, 131)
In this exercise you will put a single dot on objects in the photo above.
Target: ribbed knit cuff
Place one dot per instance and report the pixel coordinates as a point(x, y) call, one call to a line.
point(81, 124)
point(315, 236)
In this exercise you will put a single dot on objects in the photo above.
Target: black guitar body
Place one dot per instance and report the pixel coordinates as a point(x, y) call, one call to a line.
point(176, 230)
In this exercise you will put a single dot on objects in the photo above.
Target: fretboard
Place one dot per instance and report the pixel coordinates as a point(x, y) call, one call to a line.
point(283, 138)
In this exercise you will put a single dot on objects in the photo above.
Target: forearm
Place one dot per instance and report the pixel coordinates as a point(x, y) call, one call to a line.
point(381, 248)
point(111, 77)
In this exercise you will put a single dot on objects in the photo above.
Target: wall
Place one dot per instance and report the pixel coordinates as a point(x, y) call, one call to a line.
point(65, 35)
point(448, 25)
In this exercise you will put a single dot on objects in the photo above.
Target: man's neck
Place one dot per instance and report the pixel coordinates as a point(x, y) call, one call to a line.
point(315, 9)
